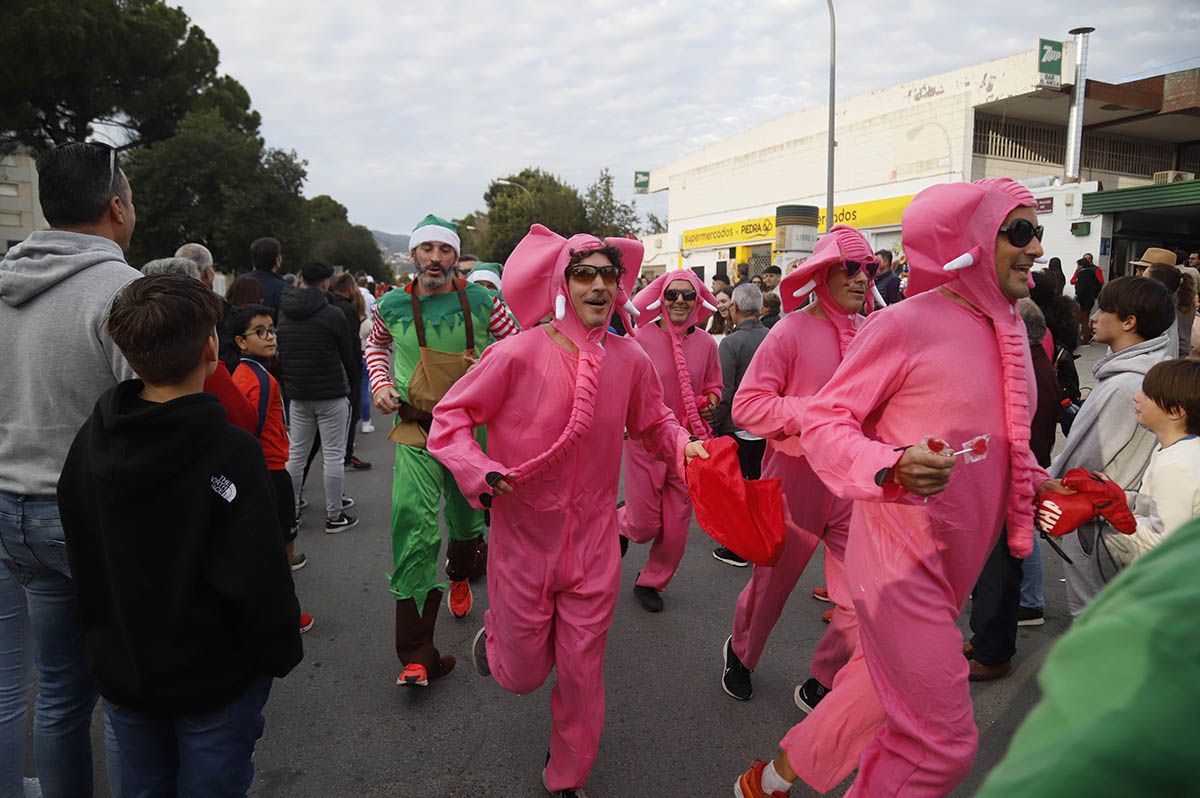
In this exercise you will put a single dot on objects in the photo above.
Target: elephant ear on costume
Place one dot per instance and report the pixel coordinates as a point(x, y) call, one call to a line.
point(530, 280)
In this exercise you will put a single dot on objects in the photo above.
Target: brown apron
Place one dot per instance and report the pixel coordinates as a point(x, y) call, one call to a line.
point(435, 373)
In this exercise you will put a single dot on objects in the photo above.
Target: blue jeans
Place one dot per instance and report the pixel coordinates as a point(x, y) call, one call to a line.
point(209, 755)
point(1033, 592)
point(39, 623)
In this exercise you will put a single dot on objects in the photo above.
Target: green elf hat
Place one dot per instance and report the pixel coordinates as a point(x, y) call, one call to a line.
point(434, 228)
point(485, 272)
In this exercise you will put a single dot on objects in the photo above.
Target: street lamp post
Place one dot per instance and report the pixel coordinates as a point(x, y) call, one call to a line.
point(832, 143)
point(504, 182)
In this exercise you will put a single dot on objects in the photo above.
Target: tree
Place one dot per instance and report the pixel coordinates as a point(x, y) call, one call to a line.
point(546, 200)
point(606, 215)
point(70, 65)
point(216, 185)
point(472, 232)
point(654, 225)
point(335, 240)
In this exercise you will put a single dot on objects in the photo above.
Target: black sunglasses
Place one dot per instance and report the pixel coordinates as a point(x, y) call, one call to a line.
point(871, 267)
point(1021, 231)
point(586, 274)
point(675, 294)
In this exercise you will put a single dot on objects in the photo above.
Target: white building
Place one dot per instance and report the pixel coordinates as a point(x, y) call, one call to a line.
point(20, 209)
point(1001, 118)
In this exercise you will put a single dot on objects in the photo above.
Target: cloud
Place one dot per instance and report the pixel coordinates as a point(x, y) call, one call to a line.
point(403, 109)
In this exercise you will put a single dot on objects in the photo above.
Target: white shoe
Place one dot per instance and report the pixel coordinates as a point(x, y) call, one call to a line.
point(367, 428)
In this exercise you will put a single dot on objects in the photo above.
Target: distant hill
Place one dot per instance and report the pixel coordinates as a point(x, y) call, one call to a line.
point(391, 243)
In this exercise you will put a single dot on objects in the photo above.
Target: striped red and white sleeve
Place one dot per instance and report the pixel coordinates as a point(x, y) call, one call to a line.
point(378, 352)
point(501, 324)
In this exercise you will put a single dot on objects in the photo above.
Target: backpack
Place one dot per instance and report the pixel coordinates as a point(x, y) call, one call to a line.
point(264, 393)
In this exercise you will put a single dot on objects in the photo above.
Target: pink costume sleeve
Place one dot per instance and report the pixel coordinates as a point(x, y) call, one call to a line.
point(843, 456)
point(652, 422)
point(470, 402)
point(760, 406)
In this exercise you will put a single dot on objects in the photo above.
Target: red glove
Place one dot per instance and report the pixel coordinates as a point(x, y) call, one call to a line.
point(1107, 497)
point(1060, 514)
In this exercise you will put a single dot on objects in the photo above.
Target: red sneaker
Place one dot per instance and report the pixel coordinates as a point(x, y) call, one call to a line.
point(306, 622)
point(827, 616)
point(820, 594)
point(460, 598)
point(414, 675)
point(749, 785)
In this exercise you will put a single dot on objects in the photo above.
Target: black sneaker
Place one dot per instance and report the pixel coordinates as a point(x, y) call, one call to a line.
point(735, 681)
point(479, 653)
point(809, 694)
point(648, 597)
point(347, 502)
point(624, 544)
point(561, 793)
point(340, 524)
point(729, 558)
point(303, 504)
point(1030, 616)
point(357, 465)
point(299, 561)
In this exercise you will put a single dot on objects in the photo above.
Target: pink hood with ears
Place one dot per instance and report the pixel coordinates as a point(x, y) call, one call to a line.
point(534, 285)
point(949, 234)
point(841, 242)
point(650, 304)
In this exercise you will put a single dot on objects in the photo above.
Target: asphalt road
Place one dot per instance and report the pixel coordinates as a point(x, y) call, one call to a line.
point(338, 725)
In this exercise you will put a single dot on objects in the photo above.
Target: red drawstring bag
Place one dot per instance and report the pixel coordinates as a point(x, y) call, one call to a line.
point(745, 516)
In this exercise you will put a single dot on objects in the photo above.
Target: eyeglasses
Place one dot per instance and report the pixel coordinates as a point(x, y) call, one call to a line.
point(675, 294)
point(262, 332)
point(1021, 231)
point(586, 274)
point(852, 267)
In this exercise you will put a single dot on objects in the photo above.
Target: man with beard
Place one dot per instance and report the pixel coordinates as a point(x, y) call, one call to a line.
point(435, 328)
point(556, 401)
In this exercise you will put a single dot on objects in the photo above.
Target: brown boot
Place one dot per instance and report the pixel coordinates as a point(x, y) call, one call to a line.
point(414, 642)
point(986, 673)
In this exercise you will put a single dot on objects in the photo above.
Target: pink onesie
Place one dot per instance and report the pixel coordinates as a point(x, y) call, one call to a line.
point(657, 506)
point(791, 365)
point(900, 710)
point(555, 422)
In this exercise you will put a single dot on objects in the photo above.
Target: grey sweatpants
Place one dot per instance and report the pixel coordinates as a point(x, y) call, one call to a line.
point(332, 418)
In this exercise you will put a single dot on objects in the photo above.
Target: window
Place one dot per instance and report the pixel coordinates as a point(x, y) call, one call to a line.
point(10, 219)
point(9, 190)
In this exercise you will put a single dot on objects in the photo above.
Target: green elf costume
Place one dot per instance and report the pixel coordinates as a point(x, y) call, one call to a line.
point(422, 341)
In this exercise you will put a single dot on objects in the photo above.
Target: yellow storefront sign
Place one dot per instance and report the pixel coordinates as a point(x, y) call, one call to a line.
point(876, 213)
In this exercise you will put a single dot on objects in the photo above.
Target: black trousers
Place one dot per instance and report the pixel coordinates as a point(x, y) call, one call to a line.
point(994, 603)
point(750, 456)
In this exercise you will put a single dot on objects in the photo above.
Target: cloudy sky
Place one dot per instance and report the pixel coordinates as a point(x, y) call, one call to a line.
point(404, 108)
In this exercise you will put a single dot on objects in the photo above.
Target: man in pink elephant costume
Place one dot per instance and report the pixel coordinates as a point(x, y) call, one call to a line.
point(900, 430)
point(555, 400)
point(657, 507)
point(793, 363)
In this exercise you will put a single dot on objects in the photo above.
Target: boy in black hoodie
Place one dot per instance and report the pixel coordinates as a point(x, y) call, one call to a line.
point(186, 597)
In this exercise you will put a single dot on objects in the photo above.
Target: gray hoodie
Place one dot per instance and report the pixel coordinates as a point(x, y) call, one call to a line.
point(1106, 437)
point(55, 291)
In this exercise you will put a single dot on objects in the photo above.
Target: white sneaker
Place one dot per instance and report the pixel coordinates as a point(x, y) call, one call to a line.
point(367, 428)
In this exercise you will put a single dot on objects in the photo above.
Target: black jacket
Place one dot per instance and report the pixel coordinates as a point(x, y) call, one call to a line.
point(356, 352)
point(315, 350)
point(185, 592)
point(273, 286)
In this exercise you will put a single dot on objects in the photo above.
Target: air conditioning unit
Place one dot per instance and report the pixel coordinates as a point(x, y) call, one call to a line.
point(1171, 176)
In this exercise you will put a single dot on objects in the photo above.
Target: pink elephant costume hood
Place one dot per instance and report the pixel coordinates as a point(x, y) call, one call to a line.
point(534, 285)
point(842, 242)
point(948, 232)
point(649, 303)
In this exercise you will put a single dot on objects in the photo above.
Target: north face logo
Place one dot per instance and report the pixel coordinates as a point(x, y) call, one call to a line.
point(223, 487)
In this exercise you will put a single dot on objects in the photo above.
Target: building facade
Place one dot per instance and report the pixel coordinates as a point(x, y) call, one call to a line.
point(20, 209)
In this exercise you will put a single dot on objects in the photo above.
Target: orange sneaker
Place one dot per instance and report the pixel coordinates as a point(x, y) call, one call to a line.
point(306, 622)
point(749, 785)
point(820, 594)
point(827, 616)
point(460, 598)
point(414, 675)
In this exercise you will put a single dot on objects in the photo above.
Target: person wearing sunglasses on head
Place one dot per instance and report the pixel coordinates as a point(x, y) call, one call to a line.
point(883, 433)
point(556, 400)
point(657, 506)
point(793, 363)
point(55, 290)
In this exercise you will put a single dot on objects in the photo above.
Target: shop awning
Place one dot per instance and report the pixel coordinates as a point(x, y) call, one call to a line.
point(1143, 198)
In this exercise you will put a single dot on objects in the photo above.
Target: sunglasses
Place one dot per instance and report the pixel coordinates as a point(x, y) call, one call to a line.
point(262, 332)
point(852, 267)
point(586, 274)
point(1021, 231)
point(675, 294)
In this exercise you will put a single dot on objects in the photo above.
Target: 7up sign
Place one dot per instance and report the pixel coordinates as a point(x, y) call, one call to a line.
point(1050, 58)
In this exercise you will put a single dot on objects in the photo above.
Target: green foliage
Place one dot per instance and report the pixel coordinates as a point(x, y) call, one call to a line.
point(70, 65)
point(510, 211)
point(608, 217)
point(331, 238)
point(654, 225)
